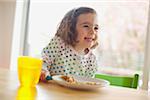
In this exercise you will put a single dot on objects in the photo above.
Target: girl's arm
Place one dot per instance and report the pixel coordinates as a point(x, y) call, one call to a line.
point(45, 74)
point(48, 55)
point(45, 68)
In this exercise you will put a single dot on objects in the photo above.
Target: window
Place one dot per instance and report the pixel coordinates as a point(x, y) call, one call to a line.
point(122, 30)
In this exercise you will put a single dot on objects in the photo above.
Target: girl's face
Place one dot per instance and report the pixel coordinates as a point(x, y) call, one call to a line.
point(87, 29)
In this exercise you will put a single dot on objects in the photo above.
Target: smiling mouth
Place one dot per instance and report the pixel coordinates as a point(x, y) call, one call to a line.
point(88, 39)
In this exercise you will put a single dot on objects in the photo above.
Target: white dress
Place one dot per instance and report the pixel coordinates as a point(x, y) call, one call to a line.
point(63, 59)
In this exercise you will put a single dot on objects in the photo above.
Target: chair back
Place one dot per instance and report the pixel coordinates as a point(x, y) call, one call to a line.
point(117, 80)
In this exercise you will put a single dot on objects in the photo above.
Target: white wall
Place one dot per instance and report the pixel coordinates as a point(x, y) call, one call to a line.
point(7, 12)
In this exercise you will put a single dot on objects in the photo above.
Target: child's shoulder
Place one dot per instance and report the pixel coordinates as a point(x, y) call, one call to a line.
point(56, 40)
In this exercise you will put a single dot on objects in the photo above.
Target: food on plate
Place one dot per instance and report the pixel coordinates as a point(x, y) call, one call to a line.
point(91, 83)
point(71, 80)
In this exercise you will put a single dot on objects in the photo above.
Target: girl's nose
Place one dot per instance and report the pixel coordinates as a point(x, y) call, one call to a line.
point(92, 31)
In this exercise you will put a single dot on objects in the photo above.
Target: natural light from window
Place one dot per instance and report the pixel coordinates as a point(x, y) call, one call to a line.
point(121, 37)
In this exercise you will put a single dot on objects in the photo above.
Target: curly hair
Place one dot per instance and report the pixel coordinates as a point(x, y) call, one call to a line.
point(67, 27)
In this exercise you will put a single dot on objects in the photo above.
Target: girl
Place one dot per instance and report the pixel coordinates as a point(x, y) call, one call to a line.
point(70, 51)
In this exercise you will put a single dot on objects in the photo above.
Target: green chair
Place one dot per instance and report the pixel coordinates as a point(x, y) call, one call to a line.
point(124, 81)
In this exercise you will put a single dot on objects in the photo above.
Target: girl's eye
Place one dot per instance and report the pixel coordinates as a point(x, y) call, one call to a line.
point(95, 28)
point(85, 26)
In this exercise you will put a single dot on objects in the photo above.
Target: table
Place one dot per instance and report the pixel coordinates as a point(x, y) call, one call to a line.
point(10, 90)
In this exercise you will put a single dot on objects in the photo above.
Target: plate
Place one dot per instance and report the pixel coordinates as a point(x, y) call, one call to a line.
point(81, 82)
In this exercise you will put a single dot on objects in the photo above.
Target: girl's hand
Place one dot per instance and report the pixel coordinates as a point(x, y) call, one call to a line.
point(43, 75)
